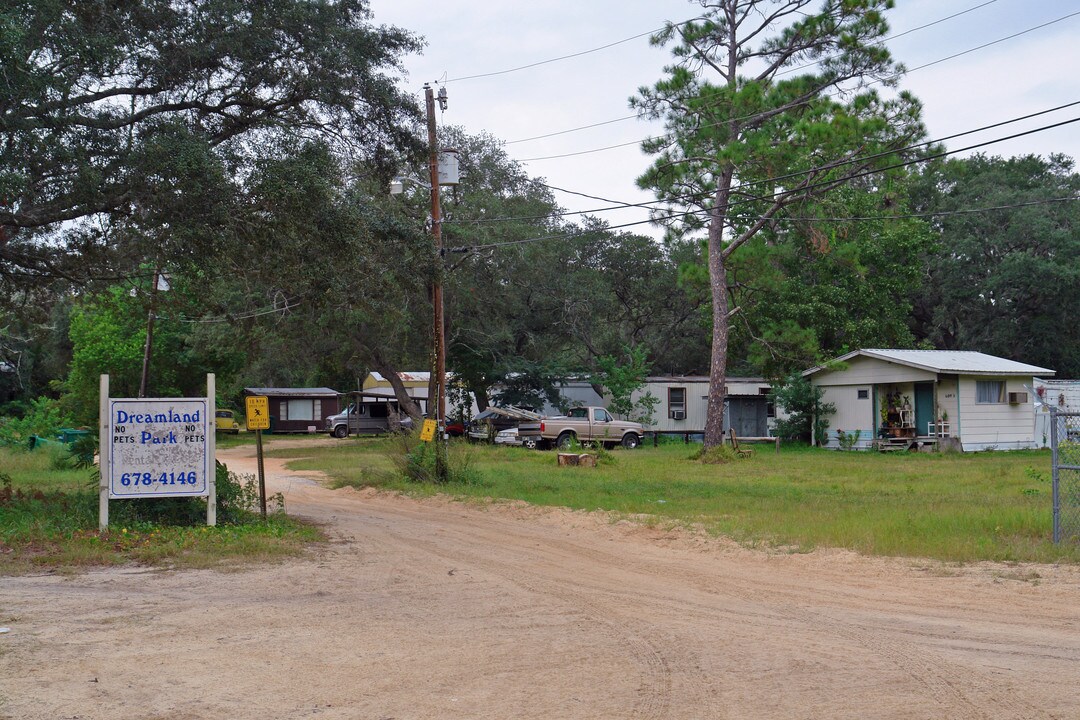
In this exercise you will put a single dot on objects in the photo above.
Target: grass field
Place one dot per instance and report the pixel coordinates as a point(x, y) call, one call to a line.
point(49, 520)
point(954, 507)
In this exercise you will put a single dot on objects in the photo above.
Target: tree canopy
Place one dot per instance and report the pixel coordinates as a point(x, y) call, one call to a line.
point(134, 124)
point(1007, 281)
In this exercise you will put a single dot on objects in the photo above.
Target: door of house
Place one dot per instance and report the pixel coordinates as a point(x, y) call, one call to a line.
point(924, 407)
point(748, 416)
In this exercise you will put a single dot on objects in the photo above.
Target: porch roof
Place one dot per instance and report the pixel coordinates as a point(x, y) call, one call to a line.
point(961, 362)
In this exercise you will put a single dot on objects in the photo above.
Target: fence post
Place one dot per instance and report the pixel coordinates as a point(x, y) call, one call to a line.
point(1056, 492)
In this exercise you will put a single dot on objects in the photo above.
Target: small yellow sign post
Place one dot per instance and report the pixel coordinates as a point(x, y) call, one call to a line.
point(258, 419)
point(258, 412)
point(427, 433)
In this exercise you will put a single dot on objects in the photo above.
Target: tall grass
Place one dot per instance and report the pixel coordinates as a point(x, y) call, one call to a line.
point(955, 507)
point(49, 518)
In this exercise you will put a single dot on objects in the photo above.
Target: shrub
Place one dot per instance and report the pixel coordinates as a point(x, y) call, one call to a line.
point(237, 504)
point(42, 416)
point(415, 460)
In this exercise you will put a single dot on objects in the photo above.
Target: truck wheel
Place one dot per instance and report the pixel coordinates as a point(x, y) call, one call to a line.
point(529, 442)
point(630, 441)
point(341, 431)
point(564, 441)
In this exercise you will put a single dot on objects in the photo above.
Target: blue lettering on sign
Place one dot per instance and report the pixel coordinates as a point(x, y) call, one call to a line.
point(168, 438)
point(123, 417)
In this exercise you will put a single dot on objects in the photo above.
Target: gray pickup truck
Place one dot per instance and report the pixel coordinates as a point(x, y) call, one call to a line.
point(590, 424)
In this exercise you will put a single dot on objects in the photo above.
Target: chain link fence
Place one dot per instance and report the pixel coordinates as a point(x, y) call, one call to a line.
point(1065, 446)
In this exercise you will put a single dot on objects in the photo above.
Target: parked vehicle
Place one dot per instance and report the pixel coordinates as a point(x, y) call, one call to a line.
point(369, 418)
point(511, 436)
point(590, 424)
point(485, 426)
point(225, 422)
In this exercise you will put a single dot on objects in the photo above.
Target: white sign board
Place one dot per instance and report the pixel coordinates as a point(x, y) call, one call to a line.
point(158, 447)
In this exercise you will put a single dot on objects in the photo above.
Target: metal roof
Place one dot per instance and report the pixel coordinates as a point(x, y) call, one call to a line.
point(701, 379)
point(961, 362)
point(406, 376)
point(292, 392)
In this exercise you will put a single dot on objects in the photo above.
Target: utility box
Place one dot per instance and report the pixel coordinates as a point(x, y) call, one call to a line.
point(448, 167)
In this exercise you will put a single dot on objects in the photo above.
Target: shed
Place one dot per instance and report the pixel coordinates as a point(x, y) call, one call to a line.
point(294, 410)
point(912, 398)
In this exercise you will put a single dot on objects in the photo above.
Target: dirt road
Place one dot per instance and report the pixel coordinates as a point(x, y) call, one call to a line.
point(434, 609)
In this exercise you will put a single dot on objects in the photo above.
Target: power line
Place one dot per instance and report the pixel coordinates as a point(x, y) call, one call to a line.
point(866, 218)
point(562, 57)
point(785, 72)
point(289, 305)
point(999, 40)
point(621, 205)
point(931, 214)
point(894, 76)
point(898, 35)
point(865, 173)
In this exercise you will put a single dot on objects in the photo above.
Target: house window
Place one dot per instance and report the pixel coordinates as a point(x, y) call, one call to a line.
point(299, 409)
point(864, 394)
point(770, 407)
point(989, 391)
point(676, 402)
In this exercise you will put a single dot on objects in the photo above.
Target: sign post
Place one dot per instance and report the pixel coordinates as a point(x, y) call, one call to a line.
point(258, 419)
point(156, 447)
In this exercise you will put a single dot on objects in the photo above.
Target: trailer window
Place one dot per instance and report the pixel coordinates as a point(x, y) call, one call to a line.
point(676, 403)
point(299, 409)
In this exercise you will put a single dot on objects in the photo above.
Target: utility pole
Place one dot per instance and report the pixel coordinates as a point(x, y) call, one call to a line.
point(436, 290)
point(144, 383)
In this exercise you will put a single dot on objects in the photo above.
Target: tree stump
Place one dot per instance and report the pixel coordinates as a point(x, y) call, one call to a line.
point(576, 460)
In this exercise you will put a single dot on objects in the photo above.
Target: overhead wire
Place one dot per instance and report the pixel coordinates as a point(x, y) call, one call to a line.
point(864, 218)
point(705, 211)
point(288, 305)
point(560, 58)
point(894, 76)
point(908, 148)
point(785, 72)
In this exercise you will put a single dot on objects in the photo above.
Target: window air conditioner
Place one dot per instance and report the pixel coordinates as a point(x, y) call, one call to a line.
point(1018, 398)
point(678, 415)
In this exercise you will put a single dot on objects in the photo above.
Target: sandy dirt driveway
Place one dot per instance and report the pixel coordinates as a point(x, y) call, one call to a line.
point(437, 609)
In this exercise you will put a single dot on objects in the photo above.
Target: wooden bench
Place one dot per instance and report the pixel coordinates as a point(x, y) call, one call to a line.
point(735, 441)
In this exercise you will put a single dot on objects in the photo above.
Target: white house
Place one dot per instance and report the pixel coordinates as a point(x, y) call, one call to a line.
point(922, 397)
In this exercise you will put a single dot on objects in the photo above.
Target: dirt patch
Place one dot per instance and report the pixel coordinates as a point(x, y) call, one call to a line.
point(432, 608)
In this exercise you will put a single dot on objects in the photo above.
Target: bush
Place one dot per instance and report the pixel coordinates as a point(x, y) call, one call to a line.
point(42, 416)
point(415, 460)
point(807, 416)
point(237, 504)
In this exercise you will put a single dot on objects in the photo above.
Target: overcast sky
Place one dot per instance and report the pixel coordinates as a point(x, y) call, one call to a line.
point(1032, 72)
